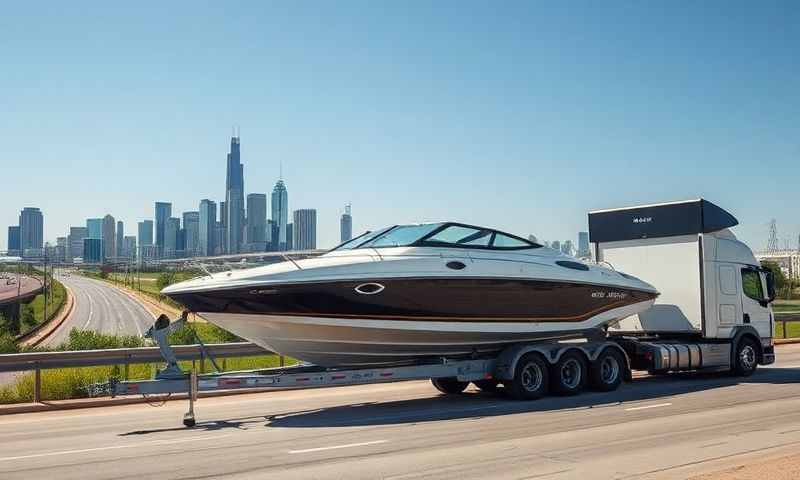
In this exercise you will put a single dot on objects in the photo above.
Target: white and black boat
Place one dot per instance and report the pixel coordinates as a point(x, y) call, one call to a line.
point(409, 292)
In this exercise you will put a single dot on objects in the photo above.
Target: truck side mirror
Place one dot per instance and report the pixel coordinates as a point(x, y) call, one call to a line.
point(770, 286)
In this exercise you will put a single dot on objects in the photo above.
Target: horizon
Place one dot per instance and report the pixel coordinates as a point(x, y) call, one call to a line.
point(521, 117)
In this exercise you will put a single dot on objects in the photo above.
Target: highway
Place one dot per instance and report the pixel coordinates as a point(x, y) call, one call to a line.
point(100, 307)
point(26, 288)
point(652, 428)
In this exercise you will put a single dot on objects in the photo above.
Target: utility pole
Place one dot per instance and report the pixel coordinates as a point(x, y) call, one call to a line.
point(772, 243)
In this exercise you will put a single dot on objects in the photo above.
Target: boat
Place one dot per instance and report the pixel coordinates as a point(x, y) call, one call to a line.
point(408, 293)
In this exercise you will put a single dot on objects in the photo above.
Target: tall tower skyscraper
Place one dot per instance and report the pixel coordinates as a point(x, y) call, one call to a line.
point(120, 236)
point(94, 228)
point(171, 228)
point(280, 213)
point(346, 224)
point(109, 237)
point(163, 212)
point(31, 229)
point(257, 222)
point(234, 198)
point(206, 228)
point(145, 233)
point(305, 229)
point(191, 228)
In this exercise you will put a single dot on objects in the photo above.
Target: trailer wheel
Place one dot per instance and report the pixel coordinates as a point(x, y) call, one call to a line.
point(487, 385)
point(605, 373)
point(530, 378)
point(746, 359)
point(449, 385)
point(569, 374)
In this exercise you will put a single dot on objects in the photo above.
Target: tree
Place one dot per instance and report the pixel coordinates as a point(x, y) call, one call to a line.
point(781, 282)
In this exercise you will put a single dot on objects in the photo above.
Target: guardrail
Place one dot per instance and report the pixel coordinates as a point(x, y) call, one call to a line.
point(38, 361)
point(784, 318)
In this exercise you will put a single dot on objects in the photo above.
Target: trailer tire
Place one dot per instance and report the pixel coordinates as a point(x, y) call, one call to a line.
point(568, 376)
point(745, 361)
point(488, 385)
point(449, 385)
point(531, 378)
point(607, 370)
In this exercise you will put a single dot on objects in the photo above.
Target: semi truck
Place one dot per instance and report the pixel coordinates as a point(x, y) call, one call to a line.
point(713, 314)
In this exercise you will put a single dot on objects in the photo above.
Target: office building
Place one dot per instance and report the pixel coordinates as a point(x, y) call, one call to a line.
point(14, 246)
point(31, 231)
point(75, 242)
point(120, 235)
point(280, 213)
point(219, 238)
point(94, 228)
point(305, 229)
point(289, 236)
point(171, 227)
point(145, 231)
point(191, 229)
point(109, 237)
point(163, 212)
point(222, 244)
point(583, 245)
point(207, 223)
point(129, 247)
point(567, 248)
point(234, 198)
point(257, 222)
point(93, 250)
point(346, 225)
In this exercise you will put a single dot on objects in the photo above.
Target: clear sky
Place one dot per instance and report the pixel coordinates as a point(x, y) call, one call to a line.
point(522, 116)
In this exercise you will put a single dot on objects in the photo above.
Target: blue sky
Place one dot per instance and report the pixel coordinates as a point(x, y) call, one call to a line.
point(521, 116)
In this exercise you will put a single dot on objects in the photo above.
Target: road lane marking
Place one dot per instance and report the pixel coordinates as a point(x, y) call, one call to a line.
point(645, 407)
point(112, 447)
point(337, 447)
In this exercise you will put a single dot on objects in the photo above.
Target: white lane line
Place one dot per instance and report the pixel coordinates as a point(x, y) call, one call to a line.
point(645, 407)
point(337, 447)
point(113, 447)
point(781, 366)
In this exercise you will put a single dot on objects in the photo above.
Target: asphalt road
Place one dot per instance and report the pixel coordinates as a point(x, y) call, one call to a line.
point(100, 307)
point(651, 428)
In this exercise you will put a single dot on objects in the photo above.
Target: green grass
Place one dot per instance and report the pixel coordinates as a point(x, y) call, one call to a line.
point(786, 306)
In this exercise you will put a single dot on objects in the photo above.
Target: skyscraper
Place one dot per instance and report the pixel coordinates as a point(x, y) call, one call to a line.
point(31, 230)
point(92, 250)
point(94, 228)
point(129, 247)
point(163, 212)
point(120, 236)
point(13, 240)
point(75, 241)
point(583, 245)
point(234, 198)
point(206, 228)
point(171, 227)
point(145, 233)
point(305, 229)
point(257, 222)
point(191, 228)
point(109, 238)
point(280, 213)
point(222, 242)
point(289, 236)
point(346, 225)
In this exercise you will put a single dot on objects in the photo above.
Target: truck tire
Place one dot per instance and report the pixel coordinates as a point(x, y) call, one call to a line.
point(449, 385)
point(605, 373)
point(746, 359)
point(568, 374)
point(531, 378)
point(487, 385)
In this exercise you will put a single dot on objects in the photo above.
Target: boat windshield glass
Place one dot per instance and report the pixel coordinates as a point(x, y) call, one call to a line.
point(459, 235)
point(363, 238)
point(400, 236)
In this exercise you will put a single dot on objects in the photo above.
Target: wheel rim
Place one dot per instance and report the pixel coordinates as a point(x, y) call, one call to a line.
point(531, 377)
point(571, 373)
point(609, 369)
point(747, 357)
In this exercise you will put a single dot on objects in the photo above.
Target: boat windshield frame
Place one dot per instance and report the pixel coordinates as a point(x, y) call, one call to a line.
point(424, 241)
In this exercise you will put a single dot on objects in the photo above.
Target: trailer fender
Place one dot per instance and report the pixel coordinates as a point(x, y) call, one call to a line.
point(507, 360)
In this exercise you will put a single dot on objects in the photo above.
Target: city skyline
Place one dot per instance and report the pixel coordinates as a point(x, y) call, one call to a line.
point(548, 118)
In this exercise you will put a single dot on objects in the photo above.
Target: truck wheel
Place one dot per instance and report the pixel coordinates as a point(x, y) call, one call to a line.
point(530, 378)
point(746, 359)
point(487, 385)
point(568, 376)
point(449, 385)
point(605, 373)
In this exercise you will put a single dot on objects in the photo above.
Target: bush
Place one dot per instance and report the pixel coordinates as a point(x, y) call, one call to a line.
point(91, 340)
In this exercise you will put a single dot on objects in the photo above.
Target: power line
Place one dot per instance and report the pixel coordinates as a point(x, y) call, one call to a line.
point(772, 243)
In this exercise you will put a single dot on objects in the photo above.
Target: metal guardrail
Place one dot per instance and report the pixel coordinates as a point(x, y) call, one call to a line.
point(38, 361)
point(784, 318)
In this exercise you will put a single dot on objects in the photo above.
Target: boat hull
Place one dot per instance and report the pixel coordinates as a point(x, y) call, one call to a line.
point(333, 342)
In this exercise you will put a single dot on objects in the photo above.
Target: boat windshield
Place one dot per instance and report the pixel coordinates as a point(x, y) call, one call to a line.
point(363, 238)
point(400, 236)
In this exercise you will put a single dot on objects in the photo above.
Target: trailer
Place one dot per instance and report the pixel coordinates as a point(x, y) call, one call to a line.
point(713, 314)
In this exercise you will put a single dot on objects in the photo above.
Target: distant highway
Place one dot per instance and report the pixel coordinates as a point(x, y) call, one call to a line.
point(652, 428)
point(8, 292)
point(102, 308)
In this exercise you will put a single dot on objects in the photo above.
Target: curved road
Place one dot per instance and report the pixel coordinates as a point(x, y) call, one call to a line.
point(100, 307)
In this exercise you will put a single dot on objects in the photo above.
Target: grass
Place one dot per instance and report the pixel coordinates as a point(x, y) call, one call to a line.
point(786, 306)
